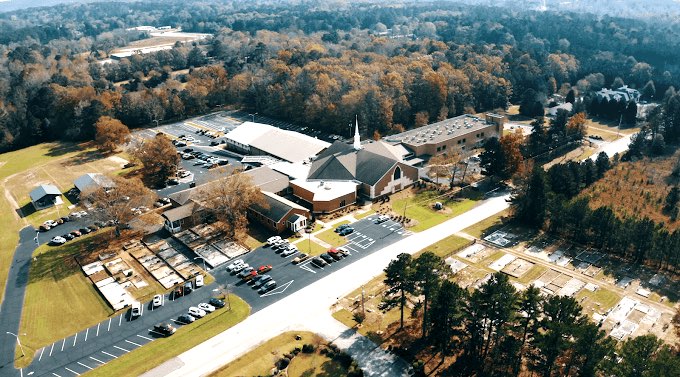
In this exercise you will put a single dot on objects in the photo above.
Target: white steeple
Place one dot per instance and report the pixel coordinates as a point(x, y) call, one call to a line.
point(357, 138)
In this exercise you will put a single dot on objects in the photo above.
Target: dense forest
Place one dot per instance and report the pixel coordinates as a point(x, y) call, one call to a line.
point(319, 64)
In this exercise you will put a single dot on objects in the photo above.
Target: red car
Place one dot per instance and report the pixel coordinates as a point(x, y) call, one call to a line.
point(263, 269)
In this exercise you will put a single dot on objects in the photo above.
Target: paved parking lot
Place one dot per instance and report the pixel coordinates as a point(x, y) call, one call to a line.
point(116, 336)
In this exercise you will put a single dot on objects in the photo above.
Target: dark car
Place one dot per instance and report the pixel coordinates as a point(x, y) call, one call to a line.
point(93, 228)
point(173, 182)
point(223, 162)
point(178, 292)
point(85, 230)
point(164, 328)
point(327, 258)
point(44, 228)
point(185, 318)
point(188, 287)
point(335, 254)
point(69, 236)
point(341, 228)
point(262, 280)
point(268, 286)
point(216, 302)
point(319, 262)
point(188, 150)
point(76, 233)
point(214, 143)
point(65, 219)
point(346, 231)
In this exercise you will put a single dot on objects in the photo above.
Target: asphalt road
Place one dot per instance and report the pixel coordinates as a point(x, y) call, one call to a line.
point(119, 335)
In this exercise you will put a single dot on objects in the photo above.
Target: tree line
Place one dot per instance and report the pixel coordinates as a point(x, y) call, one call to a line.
point(495, 330)
point(396, 68)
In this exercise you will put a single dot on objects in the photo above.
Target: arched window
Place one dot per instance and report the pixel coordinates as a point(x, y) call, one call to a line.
point(397, 173)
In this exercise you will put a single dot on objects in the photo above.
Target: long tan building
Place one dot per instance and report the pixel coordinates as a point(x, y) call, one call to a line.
point(461, 133)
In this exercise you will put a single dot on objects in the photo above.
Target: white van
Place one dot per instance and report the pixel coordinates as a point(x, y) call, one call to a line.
point(136, 310)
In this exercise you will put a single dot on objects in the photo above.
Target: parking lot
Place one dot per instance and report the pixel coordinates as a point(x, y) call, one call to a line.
point(116, 336)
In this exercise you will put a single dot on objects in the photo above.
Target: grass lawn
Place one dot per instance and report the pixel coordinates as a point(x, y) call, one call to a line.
point(448, 246)
point(364, 215)
point(487, 225)
point(534, 273)
point(599, 301)
point(332, 238)
point(260, 360)
point(310, 247)
point(419, 208)
point(145, 358)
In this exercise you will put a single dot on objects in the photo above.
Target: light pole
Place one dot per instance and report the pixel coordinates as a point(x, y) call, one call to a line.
point(18, 342)
point(203, 259)
point(253, 116)
point(36, 239)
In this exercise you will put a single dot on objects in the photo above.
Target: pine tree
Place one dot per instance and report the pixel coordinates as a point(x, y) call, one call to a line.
point(399, 279)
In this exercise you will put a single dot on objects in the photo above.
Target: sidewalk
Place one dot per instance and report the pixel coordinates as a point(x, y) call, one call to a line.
point(308, 308)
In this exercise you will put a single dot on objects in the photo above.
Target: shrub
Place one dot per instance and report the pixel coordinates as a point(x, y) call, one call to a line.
point(308, 348)
point(283, 363)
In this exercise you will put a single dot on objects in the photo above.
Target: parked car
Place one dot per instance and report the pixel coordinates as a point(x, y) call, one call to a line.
point(216, 302)
point(93, 228)
point(245, 272)
point(346, 231)
point(264, 269)
point(82, 213)
point(327, 258)
point(268, 286)
point(196, 312)
point(188, 287)
point(188, 150)
point(341, 227)
point(164, 328)
point(76, 233)
point(335, 254)
point(58, 240)
point(300, 258)
point(249, 276)
point(206, 307)
point(289, 251)
point(234, 264)
point(136, 310)
point(240, 267)
point(279, 247)
point(44, 228)
point(343, 251)
point(157, 301)
point(185, 318)
point(199, 281)
point(85, 231)
point(381, 219)
point(178, 292)
point(68, 236)
point(319, 262)
point(173, 182)
point(51, 223)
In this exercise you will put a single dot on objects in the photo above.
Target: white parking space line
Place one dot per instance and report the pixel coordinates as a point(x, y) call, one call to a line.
point(97, 334)
point(121, 320)
point(121, 348)
point(278, 290)
point(75, 338)
point(86, 333)
point(85, 365)
point(136, 344)
point(109, 328)
point(51, 349)
point(62, 344)
point(56, 374)
point(41, 353)
point(108, 354)
point(97, 360)
point(143, 337)
point(76, 373)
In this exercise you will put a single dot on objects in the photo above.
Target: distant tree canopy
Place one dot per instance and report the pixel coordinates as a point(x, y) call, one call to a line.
point(394, 67)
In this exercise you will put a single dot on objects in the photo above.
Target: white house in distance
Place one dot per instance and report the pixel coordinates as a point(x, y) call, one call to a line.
point(45, 196)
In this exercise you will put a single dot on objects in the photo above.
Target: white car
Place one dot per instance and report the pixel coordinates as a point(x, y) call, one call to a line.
point(240, 267)
point(75, 215)
point(289, 251)
point(51, 223)
point(196, 312)
point(206, 307)
point(58, 240)
point(136, 310)
point(82, 213)
point(157, 301)
point(273, 240)
point(199, 281)
point(234, 264)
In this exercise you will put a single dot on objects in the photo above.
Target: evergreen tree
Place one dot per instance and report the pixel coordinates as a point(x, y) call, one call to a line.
point(529, 308)
point(399, 279)
point(602, 163)
point(447, 315)
point(571, 97)
point(529, 202)
point(429, 269)
point(672, 199)
point(636, 357)
point(649, 90)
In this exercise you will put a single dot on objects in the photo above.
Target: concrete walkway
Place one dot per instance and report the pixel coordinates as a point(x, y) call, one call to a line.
point(308, 309)
point(15, 290)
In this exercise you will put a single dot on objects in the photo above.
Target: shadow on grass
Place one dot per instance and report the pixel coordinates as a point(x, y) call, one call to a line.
point(26, 210)
point(85, 157)
point(61, 149)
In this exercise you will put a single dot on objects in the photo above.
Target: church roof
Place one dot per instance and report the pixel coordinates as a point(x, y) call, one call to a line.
point(344, 163)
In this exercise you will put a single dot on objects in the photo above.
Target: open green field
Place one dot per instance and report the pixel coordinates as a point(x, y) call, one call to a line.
point(260, 360)
point(12, 163)
point(599, 301)
point(420, 209)
point(145, 358)
point(58, 292)
point(332, 238)
point(447, 246)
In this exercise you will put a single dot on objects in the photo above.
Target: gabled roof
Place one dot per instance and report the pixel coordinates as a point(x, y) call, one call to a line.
point(44, 190)
point(279, 207)
point(247, 132)
point(180, 213)
point(267, 179)
point(92, 181)
point(182, 197)
point(343, 163)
